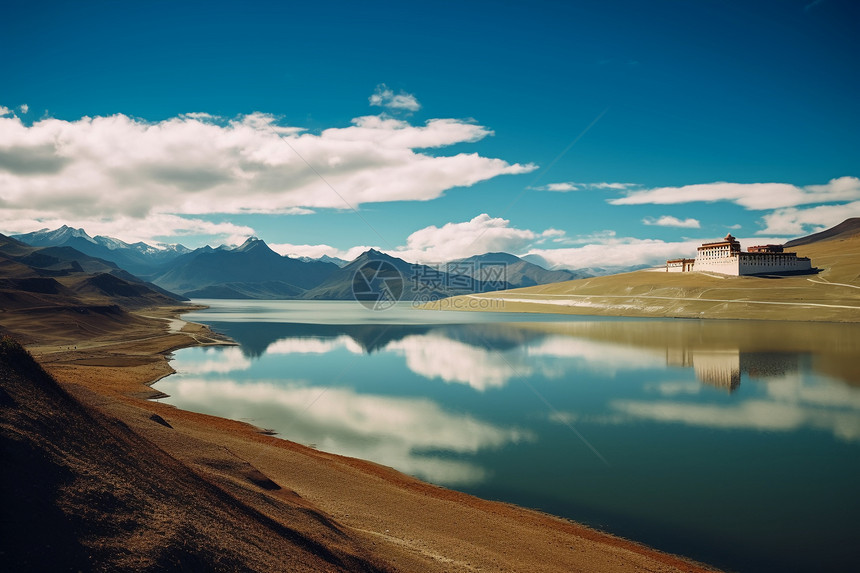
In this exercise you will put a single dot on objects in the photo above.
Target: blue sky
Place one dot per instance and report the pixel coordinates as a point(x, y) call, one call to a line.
point(584, 132)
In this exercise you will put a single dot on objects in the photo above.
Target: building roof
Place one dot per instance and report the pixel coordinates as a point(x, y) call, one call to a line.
point(727, 241)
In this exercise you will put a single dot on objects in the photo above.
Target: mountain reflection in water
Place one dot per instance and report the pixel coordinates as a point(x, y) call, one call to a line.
point(734, 442)
point(718, 351)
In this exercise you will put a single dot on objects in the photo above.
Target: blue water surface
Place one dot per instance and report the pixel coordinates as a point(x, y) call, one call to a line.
point(733, 442)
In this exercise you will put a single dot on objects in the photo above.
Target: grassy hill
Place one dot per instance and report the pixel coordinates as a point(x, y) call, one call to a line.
point(832, 295)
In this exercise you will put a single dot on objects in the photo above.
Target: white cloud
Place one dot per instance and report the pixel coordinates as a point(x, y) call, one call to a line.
point(96, 171)
point(617, 252)
point(560, 187)
point(391, 133)
point(483, 234)
point(755, 196)
point(385, 97)
point(24, 108)
point(434, 245)
point(4, 111)
point(553, 233)
point(796, 222)
point(670, 221)
point(570, 186)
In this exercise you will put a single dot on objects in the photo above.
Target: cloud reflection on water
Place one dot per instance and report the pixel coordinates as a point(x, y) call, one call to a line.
point(433, 355)
point(313, 345)
point(424, 437)
point(436, 356)
point(787, 403)
point(215, 360)
point(411, 434)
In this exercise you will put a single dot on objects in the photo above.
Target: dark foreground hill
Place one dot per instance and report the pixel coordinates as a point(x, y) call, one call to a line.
point(82, 492)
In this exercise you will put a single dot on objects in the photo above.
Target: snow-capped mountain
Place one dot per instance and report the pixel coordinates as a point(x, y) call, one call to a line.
point(325, 259)
point(138, 258)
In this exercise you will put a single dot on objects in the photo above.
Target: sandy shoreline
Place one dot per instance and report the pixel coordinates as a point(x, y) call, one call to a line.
point(403, 523)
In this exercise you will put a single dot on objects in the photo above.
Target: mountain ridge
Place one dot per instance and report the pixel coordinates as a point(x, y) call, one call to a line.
point(254, 270)
point(137, 258)
point(846, 229)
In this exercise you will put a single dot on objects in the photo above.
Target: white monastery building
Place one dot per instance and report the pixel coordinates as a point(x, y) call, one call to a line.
point(725, 257)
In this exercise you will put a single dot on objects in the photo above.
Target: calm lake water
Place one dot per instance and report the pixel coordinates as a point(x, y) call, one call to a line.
point(733, 442)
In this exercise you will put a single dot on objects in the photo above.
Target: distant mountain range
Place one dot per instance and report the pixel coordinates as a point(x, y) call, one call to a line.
point(251, 270)
point(418, 282)
point(137, 258)
point(254, 271)
point(585, 272)
point(517, 271)
point(326, 259)
point(43, 278)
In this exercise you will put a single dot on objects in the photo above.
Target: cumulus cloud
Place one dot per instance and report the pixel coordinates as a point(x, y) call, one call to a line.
point(795, 222)
point(4, 111)
point(669, 221)
point(385, 97)
point(102, 169)
point(24, 108)
point(482, 234)
point(570, 186)
point(754, 196)
point(393, 133)
point(433, 245)
point(616, 252)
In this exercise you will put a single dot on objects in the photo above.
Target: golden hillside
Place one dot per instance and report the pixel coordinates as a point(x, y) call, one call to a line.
point(830, 295)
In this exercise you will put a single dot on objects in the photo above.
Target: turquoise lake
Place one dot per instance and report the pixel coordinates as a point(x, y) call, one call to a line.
point(736, 443)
